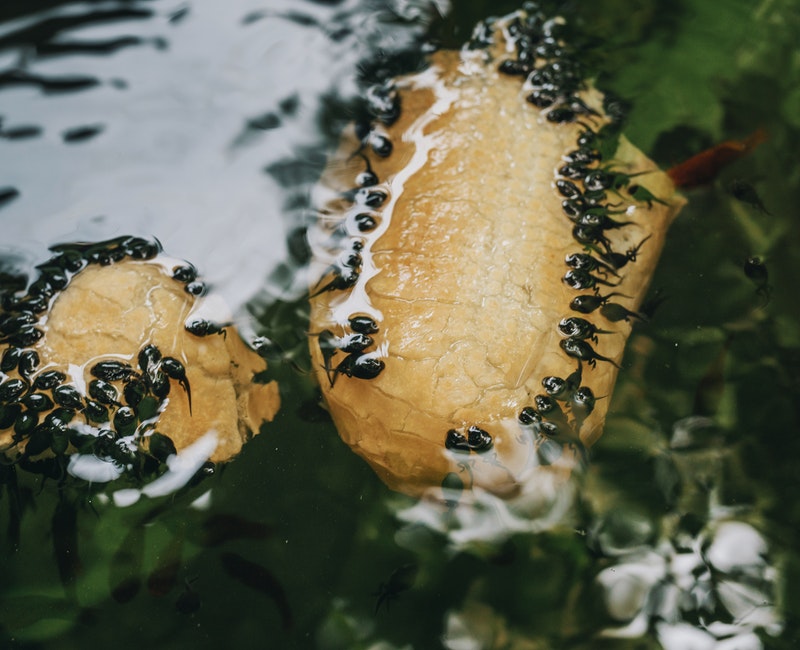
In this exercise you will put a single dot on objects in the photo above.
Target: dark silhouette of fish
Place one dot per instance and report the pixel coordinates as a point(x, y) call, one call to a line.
point(260, 579)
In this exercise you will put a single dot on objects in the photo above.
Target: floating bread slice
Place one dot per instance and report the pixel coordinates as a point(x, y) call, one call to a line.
point(463, 277)
point(110, 313)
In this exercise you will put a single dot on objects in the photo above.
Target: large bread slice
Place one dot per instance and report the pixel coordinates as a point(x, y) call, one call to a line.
point(461, 269)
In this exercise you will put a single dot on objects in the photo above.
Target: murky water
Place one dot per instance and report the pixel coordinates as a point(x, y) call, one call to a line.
point(205, 124)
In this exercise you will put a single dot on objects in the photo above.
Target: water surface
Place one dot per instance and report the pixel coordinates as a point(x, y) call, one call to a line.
point(205, 124)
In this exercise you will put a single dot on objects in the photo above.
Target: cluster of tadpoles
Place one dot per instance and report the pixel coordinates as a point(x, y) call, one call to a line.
point(122, 404)
point(357, 363)
point(584, 186)
point(344, 272)
point(116, 418)
point(555, 80)
point(553, 76)
point(20, 312)
point(382, 108)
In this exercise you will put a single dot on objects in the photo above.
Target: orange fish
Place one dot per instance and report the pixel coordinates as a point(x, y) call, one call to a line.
point(704, 167)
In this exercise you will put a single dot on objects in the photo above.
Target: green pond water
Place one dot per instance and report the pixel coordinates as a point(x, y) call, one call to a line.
point(205, 124)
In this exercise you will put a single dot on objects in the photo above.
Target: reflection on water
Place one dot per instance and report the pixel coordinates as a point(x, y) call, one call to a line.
point(695, 590)
point(199, 123)
point(205, 124)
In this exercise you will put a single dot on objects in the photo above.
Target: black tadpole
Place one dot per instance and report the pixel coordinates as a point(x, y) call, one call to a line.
point(756, 270)
point(328, 348)
point(343, 278)
point(260, 579)
point(360, 366)
point(203, 327)
point(744, 192)
point(28, 362)
point(381, 145)
point(112, 370)
point(562, 389)
point(10, 359)
point(556, 387)
point(368, 177)
point(591, 236)
point(176, 370)
point(64, 532)
point(401, 579)
point(615, 313)
point(583, 401)
point(330, 344)
point(149, 357)
point(580, 328)
point(363, 324)
point(618, 260)
point(580, 280)
point(12, 323)
point(586, 304)
point(548, 408)
point(598, 218)
point(585, 262)
point(584, 352)
point(476, 440)
point(103, 392)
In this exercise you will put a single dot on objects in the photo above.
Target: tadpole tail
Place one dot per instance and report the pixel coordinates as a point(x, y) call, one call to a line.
point(600, 357)
point(336, 283)
point(330, 373)
point(185, 385)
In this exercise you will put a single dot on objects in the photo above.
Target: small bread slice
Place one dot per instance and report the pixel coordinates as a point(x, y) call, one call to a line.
point(110, 313)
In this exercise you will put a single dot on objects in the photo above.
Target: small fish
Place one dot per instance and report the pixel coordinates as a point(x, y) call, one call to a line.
point(756, 270)
point(705, 166)
point(746, 193)
point(402, 579)
point(8, 194)
point(711, 386)
point(64, 526)
point(126, 566)
point(178, 15)
point(21, 132)
point(189, 601)
point(261, 579)
point(221, 528)
point(82, 133)
point(164, 577)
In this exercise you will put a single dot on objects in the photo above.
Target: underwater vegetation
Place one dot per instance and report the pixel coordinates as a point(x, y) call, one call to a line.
point(683, 528)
